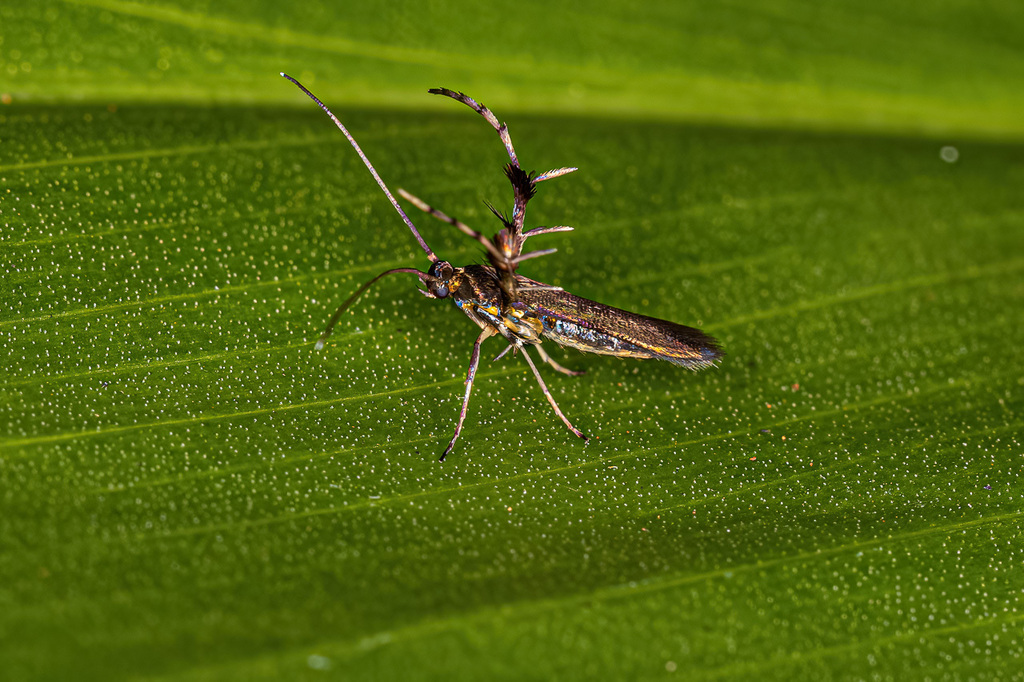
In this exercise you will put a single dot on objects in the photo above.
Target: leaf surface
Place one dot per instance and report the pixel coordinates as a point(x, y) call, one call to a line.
point(189, 491)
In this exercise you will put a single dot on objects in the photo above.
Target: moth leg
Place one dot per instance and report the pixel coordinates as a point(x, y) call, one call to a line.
point(522, 182)
point(466, 229)
point(533, 254)
point(553, 173)
point(547, 394)
point(487, 114)
point(474, 360)
point(546, 230)
point(548, 359)
point(539, 287)
point(502, 354)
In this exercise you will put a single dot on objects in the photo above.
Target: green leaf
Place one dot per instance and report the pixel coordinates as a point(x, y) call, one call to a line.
point(953, 66)
point(189, 491)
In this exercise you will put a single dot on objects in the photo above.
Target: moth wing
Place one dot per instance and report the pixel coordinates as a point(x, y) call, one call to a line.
point(594, 327)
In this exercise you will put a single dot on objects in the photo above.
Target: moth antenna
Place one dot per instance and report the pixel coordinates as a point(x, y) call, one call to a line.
point(366, 161)
point(424, 277)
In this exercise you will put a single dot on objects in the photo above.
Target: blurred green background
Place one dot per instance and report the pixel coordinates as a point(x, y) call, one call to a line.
point(189, 491)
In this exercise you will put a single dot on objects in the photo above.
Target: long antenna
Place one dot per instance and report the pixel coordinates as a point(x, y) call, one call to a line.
point(355, 145)
point(359, 292)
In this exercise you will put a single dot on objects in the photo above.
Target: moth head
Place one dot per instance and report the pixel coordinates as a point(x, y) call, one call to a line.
point(441, 279)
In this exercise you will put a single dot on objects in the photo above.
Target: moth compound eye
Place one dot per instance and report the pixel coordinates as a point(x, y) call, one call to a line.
point(441, 270)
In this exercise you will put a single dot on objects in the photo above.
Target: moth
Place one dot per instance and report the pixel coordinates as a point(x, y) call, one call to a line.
point(521, 310)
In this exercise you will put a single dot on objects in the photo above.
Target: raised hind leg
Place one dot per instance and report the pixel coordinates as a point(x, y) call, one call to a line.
point(522, 182)
point(500, 127)
point(486, 113)
point(495, 253)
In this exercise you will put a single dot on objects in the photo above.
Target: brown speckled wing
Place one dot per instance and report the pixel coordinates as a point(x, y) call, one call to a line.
point(597, 328)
